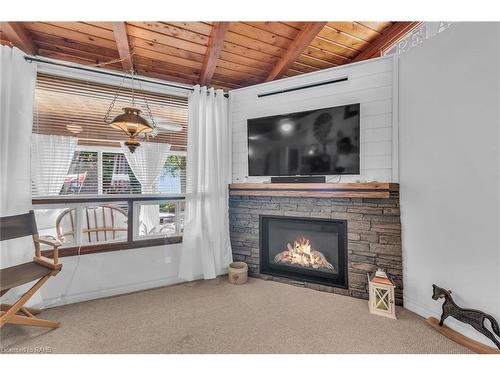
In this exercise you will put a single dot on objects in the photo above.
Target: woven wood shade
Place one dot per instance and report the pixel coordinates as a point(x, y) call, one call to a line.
point(75, 108)
point(70, 107)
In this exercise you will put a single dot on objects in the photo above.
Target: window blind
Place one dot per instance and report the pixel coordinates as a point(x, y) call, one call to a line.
point(75, 152)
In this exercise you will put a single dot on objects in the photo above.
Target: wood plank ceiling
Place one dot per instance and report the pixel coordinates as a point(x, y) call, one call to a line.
point(225, 55)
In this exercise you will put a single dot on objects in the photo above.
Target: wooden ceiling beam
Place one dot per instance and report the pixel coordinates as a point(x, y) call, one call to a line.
point(215, 45)
point(388, 37)
point(123, 45)
point(298, 45)
point(15, 33)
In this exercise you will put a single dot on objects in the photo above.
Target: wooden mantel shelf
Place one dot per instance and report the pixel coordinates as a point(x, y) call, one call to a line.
point(315, 190)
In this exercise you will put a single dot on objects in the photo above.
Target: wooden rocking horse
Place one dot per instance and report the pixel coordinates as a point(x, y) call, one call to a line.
point(475, 318)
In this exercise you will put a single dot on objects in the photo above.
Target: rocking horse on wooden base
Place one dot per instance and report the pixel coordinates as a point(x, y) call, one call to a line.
point(475, 318)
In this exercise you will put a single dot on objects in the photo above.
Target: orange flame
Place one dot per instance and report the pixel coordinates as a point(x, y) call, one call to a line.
point(302, 254)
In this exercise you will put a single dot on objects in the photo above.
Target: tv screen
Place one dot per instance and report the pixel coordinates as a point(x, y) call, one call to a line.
point(318, 142)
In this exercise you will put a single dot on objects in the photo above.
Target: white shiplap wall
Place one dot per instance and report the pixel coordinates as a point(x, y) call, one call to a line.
point(370, 83)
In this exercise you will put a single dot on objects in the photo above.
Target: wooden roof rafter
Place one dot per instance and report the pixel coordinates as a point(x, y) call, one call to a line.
point(215, 45)
point(220, 54)
point(298, 45)
point(123, 45)
point(18, 36)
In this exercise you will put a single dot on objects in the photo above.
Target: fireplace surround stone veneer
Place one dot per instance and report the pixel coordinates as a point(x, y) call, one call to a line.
point(373, 233)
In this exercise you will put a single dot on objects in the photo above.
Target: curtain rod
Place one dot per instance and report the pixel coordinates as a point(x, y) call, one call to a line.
point(112, 74)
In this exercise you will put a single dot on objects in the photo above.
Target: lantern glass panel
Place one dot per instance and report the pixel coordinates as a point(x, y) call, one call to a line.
point(381, 301)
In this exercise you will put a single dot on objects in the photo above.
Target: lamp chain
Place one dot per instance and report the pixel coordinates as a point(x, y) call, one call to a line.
point(111, 106)
point(141, 91)
point(132, 75)
point(150, 114)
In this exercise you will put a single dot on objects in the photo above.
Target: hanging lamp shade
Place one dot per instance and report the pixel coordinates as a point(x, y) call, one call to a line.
point(131, 122)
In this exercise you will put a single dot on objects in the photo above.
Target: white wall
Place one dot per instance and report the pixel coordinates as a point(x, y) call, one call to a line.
point(92, 276)
point(99, 275)
point(370, 83)
point(449, 97)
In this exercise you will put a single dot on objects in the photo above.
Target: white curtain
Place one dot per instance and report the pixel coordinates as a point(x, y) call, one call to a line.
point(17, 92)
point(206, 248)
point(51, 157)
point(147, 163)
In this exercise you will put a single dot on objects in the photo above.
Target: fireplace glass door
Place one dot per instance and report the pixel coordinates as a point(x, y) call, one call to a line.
point(306, 249)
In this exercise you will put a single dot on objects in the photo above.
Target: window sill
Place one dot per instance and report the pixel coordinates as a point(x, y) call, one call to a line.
point(116, 246)
point(71, 199)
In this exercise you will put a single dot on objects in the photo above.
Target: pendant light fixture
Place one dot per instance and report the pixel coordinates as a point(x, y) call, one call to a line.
point(130, 121)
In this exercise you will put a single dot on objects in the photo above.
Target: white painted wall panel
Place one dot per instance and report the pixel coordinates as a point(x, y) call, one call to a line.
point(100, 275)
point(370, 83)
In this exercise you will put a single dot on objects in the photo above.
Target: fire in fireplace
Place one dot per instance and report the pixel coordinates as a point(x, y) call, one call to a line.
point(305, 249)
point(301, 254)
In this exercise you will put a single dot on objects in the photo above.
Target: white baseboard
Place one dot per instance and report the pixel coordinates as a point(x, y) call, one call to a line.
point(103, 293)
point(464, 329)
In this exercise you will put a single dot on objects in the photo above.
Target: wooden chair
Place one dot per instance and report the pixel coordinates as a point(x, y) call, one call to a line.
point(41, 269)
point(100, 223)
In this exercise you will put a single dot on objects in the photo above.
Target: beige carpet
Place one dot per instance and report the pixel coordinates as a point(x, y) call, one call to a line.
point(216, 317)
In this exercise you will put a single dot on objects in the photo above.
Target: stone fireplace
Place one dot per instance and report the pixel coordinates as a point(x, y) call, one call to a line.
point(372, 234)
point(304, 249)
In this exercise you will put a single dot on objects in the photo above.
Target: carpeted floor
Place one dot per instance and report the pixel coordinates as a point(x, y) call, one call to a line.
point(216, 317)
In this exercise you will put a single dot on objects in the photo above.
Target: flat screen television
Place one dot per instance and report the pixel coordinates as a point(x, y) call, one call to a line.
point(318, 142)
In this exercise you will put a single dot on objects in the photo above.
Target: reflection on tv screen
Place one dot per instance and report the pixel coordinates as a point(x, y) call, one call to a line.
point(317, 142)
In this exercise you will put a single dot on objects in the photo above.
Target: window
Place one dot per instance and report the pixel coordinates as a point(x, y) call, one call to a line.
point(173, 177)
point(100, 172)
point(168, 219)
point(101, 223)
point(83, 174)
point(84, 187)
point(117, 177)
point(76, 153)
